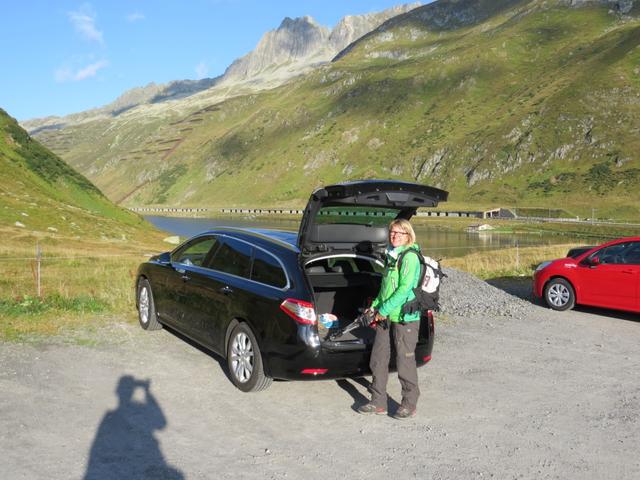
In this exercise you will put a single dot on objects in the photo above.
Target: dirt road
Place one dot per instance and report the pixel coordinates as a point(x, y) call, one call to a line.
point(553, 395)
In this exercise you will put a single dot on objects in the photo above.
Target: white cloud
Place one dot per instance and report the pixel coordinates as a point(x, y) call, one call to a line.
point(84, 21)
point(135, 17)
point(202, 70)
point(66, 74)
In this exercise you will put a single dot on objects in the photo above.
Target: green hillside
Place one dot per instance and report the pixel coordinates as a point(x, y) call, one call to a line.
point(40, 193)
point(507, 102)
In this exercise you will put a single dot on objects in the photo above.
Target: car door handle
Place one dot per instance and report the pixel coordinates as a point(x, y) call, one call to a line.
point(226, 290)
point(627, 271)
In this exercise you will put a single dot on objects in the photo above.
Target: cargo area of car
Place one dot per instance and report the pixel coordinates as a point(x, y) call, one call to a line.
point(342, 288)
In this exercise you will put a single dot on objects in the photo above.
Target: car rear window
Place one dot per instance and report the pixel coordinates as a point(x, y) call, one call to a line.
point(267, 270)
point(356, 215)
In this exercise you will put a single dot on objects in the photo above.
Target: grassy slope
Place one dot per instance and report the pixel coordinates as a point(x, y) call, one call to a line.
point(90, 247)
point(536, 106)
point(43, 193)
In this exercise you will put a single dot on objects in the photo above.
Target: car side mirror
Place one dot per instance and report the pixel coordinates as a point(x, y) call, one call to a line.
point(593, 261)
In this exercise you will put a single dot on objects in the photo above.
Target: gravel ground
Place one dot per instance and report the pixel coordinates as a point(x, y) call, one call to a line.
point(514, 391)
point(463, 295)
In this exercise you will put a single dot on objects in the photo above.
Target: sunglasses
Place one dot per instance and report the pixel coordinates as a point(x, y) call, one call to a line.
point(395, 232)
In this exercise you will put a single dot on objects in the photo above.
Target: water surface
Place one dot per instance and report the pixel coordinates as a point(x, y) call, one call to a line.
point(437, 243)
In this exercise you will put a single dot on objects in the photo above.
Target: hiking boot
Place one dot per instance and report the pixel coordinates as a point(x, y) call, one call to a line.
point(370, 408)
point(403, 413)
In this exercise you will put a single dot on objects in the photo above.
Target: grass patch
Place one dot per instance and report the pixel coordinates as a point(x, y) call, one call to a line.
point(83, 283)
point(32, 306)
point(507, 262)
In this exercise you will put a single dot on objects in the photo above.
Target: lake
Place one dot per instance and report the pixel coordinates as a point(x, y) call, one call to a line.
point(438, 243)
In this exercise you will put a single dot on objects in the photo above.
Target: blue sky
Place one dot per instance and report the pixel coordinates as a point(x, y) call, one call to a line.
point(60, 57)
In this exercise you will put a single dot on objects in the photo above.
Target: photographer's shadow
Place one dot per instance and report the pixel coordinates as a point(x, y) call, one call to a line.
point(125, 446)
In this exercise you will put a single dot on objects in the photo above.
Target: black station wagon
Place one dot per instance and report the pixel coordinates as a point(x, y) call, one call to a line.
point(269, 300)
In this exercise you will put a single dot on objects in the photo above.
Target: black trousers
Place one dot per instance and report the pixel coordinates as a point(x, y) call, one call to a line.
point(405, 338)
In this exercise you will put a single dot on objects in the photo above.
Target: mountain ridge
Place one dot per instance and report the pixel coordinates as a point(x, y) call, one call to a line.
point(296, 46)
point(534, 104)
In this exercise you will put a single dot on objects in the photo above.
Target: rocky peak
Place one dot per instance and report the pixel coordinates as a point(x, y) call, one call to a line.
point(352, 27)
point(300, 43)
point(295, 23)
point(294, 40)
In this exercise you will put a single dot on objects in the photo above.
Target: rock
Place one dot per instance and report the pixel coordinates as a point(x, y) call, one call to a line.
point(173, 240)
point(301, 43)
point(18, 224)
point(621, 6)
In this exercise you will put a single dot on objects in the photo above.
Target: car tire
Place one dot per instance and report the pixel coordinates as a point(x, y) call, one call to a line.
point(559, 294)
point(245, 361)
point(147, 315)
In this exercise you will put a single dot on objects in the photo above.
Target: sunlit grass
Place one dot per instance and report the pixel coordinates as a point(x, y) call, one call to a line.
point(507, 262)
point(80, 282)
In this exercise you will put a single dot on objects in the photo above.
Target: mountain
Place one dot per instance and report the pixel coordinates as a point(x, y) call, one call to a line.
point(508, 102)
point(294, 48)
point(41, 193)
point(300, 44)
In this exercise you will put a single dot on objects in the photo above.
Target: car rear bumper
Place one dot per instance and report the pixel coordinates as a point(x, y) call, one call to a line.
point(340, 359)
point(325, 364)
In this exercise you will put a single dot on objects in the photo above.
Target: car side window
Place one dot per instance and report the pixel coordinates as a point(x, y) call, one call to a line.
point(613, 254)
point(232, 257)
point(267, 270)
point(195, 252)
point(631, 254)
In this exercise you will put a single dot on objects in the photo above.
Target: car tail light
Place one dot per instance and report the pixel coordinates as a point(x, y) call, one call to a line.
point(427, 359)
point(301, 311)
point(314, 371)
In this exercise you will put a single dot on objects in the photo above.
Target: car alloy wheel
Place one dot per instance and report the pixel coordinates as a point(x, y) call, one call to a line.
point(559, 294)
point(242, 357)
point(147, 307)
point(143, 305)
point(245, 361)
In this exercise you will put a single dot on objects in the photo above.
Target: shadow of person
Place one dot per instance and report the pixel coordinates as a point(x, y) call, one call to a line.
point(124, 446)
point(360, 399)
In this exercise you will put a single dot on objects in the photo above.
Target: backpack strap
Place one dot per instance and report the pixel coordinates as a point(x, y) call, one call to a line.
point(411, 305)
point(417, 252)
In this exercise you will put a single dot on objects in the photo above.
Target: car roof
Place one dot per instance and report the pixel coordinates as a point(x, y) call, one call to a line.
point(590, 249)
point(261, 236)
point(619, 240)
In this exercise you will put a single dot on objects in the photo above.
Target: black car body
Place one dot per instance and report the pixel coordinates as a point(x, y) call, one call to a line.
point(256, 296)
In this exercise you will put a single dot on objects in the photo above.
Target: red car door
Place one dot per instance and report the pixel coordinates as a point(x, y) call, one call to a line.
point(605, 278)
point(631, 259)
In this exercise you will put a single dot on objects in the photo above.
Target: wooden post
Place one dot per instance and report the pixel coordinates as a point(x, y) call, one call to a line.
point(38, 261)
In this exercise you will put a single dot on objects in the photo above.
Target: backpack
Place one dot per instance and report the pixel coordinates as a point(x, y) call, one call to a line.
point(427, 292)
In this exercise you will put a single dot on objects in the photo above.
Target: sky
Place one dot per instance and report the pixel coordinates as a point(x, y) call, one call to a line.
point(60, 57)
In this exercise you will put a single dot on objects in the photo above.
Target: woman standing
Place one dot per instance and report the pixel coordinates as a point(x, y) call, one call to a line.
point(396, 290)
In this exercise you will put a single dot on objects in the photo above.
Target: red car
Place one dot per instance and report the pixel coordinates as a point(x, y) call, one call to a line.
point(604, 276)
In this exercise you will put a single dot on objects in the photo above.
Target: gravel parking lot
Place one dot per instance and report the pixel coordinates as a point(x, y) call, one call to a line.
point(514, 391)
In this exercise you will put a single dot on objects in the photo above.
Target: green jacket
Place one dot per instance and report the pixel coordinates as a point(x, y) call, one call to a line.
point(397, 287)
